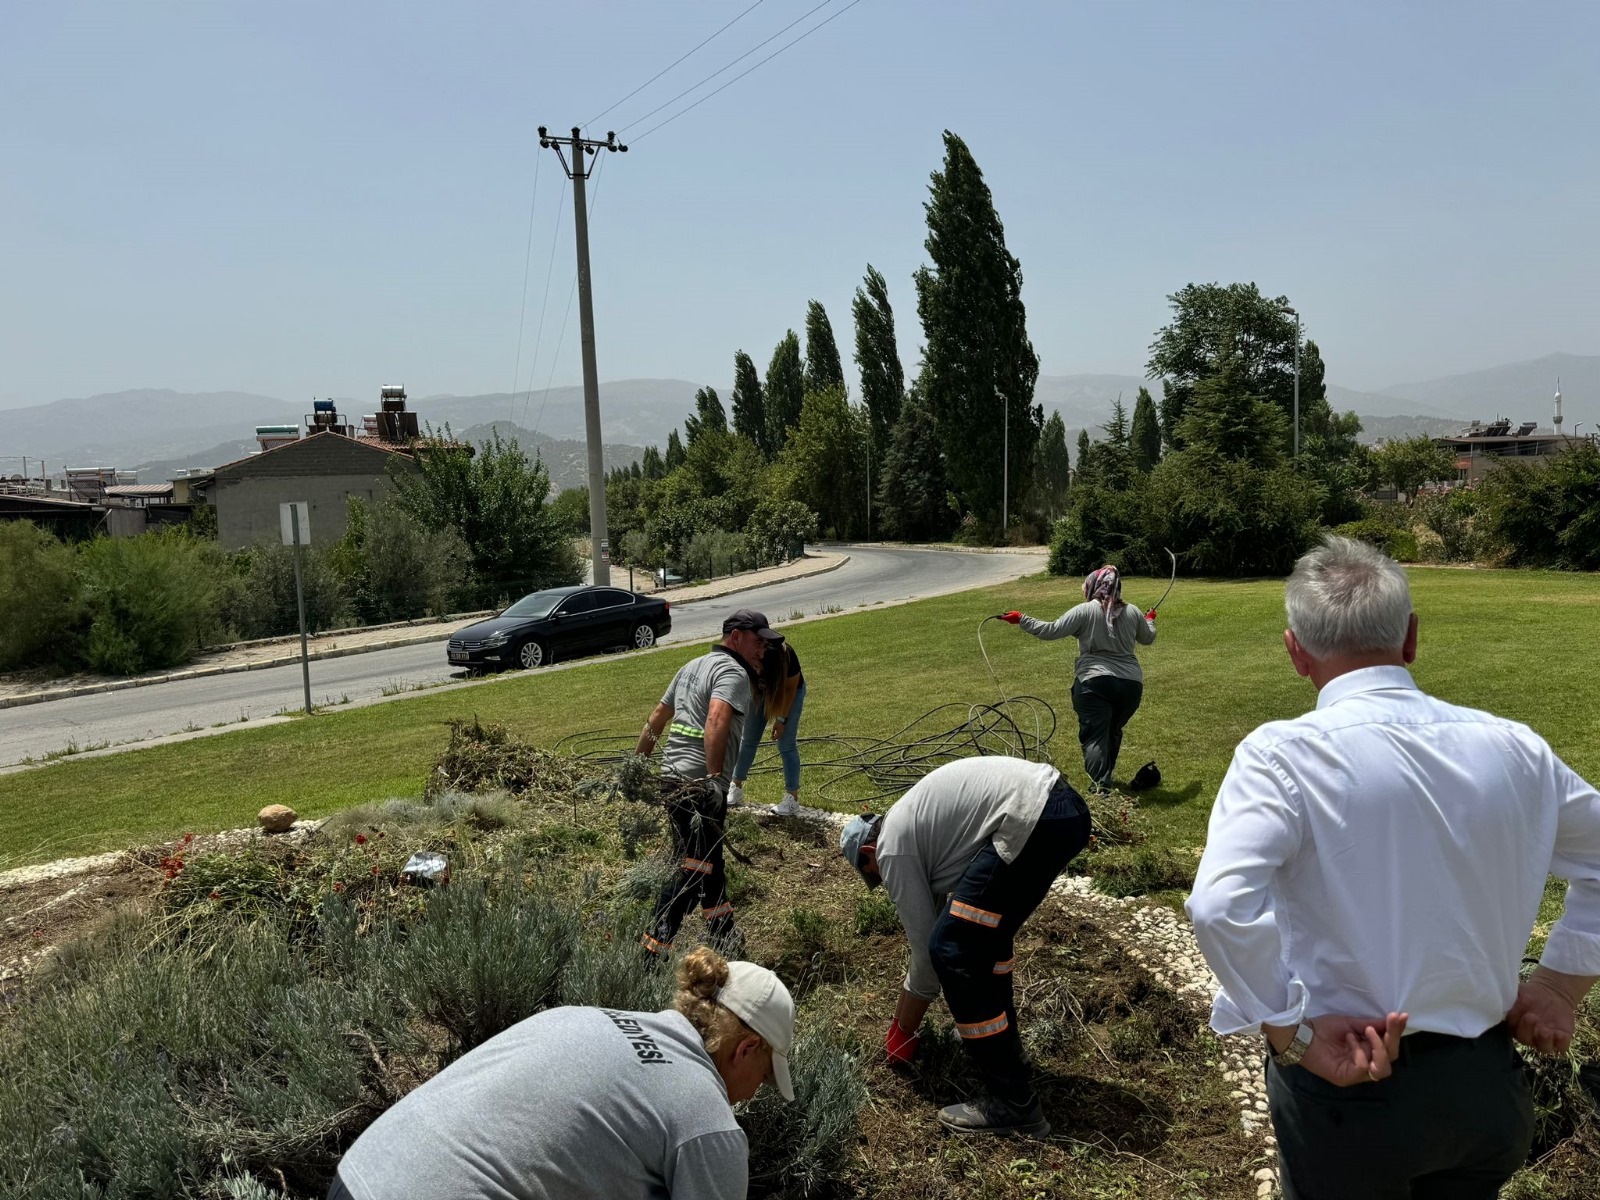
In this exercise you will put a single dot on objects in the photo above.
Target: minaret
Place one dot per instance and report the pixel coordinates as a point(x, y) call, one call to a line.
point(1558, 404)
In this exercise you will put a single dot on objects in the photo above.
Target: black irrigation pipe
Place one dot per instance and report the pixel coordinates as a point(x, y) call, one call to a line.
point(1019, 726)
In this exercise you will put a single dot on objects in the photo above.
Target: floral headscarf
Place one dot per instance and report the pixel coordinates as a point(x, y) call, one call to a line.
point(1105, 585)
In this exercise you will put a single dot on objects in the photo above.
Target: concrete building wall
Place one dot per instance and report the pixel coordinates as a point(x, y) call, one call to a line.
point(324, 470)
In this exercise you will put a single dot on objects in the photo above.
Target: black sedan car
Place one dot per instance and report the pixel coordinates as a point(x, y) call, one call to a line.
point(565, 622)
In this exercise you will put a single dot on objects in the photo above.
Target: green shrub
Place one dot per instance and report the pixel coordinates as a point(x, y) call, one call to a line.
point(806, 933)
point(800, 1149)
point(612, 971)
point(158, 1072)
point(875, 913)
point(1138, 870)
point(395, 568)
point(482, 960)
point(1547, 513)
point(1456, 518)
point(152, 600)
point(40, 596)
point(265, 605)
point(1398, 544)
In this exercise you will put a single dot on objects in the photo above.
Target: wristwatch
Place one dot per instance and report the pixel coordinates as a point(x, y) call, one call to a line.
point(1291, 1054)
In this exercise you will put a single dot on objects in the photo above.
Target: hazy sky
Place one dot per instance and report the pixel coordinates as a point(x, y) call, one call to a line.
point(299, 199)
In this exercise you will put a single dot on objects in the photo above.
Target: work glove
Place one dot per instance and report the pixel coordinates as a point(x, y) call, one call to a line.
point(1012, 617)
point(1151, 616)
point(900, 1046)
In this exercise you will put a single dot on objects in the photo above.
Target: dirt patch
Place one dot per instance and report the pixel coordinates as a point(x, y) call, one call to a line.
point(1128, 1076)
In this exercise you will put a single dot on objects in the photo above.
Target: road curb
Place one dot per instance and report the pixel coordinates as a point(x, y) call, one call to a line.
point(282, 660)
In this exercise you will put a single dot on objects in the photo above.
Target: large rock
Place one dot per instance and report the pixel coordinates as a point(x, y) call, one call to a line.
point(277, 818)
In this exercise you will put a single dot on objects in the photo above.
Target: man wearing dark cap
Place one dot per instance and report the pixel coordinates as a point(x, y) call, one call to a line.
point(702, 714)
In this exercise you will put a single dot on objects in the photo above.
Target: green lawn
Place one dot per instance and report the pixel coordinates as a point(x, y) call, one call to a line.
point(1519, 643)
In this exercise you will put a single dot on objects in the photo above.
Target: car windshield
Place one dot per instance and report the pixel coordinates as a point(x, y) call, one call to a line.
point(537, 605)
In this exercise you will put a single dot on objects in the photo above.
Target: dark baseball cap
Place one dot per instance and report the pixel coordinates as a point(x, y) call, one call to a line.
point(756, 622)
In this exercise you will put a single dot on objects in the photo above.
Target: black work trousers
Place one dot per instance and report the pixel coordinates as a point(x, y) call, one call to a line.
point(696, 810)
point(1104, 705)
point(971, 942)
point(1453, 1122)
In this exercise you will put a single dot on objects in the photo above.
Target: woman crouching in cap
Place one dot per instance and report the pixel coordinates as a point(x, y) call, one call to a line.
point(591, 1102)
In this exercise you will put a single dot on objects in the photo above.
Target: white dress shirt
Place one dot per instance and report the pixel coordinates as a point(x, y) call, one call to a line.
point(1387, 853)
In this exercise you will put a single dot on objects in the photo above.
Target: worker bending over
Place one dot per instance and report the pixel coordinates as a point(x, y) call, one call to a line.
point(966, 855)
point(1107, 683)
point(703, 714)
point(592, 1103)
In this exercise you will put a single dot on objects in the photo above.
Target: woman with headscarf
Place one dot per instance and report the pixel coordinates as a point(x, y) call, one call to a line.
point(1107, 682)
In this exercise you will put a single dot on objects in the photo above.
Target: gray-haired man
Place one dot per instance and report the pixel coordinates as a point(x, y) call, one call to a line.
point(1371, 876)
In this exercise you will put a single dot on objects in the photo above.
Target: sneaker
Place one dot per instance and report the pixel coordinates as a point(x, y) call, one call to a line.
point(789, 806)
point(989, 1115)
point(735, 795)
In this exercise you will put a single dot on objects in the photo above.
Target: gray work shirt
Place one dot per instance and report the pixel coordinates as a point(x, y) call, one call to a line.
point(929, 838)
point(715, 676)
point(1102, 650)
point(570, 1104)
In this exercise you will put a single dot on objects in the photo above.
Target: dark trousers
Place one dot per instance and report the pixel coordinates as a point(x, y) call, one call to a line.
point(971, 943)
point(1453, 1122)
point(1104, 705)
point(696, 812)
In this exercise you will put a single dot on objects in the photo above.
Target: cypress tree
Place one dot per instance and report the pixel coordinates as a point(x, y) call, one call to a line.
point(675, 451)
point(749, 411)
point(823, 369)
point(980, 365)
point(786, 388)
point(1053, 468)
point(883, 382)
point(651, 466)
point(1146, 438)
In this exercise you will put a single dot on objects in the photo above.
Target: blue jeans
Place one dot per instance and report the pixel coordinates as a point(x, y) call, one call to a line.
point(755, 728)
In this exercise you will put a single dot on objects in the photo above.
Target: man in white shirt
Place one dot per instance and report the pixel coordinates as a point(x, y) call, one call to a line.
point(1371, 875)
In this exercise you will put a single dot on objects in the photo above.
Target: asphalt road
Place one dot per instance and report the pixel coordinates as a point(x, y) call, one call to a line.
point(873, 575)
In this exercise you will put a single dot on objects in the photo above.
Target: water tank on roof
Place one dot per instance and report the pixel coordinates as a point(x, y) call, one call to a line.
point(275, 430)
point(322, 406)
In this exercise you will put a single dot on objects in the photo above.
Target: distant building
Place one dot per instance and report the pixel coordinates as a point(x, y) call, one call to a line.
point(324, 469)
point(1479, 447)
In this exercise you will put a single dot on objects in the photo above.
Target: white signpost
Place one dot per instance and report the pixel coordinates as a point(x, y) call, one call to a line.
point(295, 520)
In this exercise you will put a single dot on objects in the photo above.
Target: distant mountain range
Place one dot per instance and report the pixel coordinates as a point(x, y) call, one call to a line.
point(160, 431)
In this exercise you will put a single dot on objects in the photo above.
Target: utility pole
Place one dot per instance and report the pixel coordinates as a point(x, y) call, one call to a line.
point(1297, 387)
point(578, 170)
point(1005, 468)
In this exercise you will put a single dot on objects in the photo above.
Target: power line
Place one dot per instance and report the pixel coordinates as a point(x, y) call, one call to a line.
point(538, 341)
point(676, 61)
point(720, 70)
point(527, 265)
point(742, 74)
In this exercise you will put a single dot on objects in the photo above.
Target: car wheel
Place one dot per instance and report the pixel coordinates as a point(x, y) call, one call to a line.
point(644, 636)
point(532, 654)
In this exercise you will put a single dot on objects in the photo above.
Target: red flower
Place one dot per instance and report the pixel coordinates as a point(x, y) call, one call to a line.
point(338, 885)
point(187, 838)
point(361, 839)
point(215, 895)
point(374, 868)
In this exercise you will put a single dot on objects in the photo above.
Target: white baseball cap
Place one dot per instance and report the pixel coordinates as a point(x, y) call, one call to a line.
point(758, 998)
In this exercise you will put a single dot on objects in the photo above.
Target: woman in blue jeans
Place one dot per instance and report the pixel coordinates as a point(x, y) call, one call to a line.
point(780, 693)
